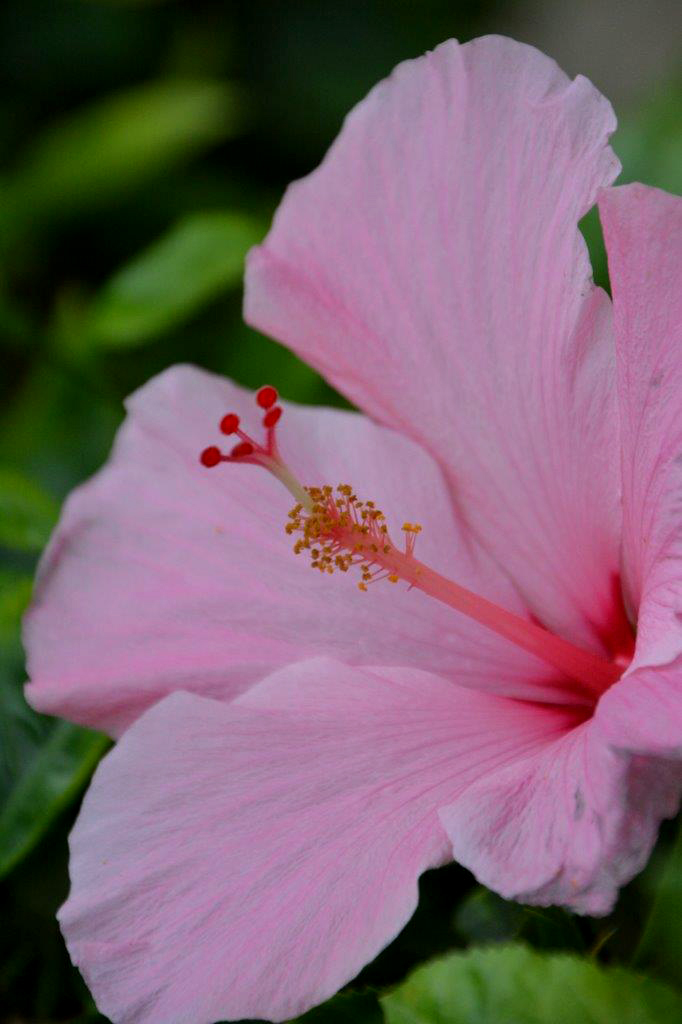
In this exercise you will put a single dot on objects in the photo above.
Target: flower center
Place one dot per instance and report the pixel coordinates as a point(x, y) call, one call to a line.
point(341, 532)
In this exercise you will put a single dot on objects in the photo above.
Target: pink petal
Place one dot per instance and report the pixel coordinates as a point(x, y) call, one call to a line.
point(247, 859)
point(643, 713)
point(569, 825)
point(164, 575)
point(643, 231)
point(432, 269)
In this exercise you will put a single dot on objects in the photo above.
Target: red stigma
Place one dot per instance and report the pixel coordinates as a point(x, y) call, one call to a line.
point(229, 423)
point(259, 453)
point(272, 417)
point(242, 449)
point(266, 397)
point(210, 457)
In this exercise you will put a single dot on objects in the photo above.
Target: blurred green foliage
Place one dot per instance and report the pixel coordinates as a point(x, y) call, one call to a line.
point(48, 784)
point(143, 148)
point(660, 942)
point(199, 259)
point(114, 145)
point(513, 984)
point(27, 512)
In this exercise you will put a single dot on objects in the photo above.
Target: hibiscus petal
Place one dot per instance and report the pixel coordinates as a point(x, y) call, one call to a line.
point(643, 231)
point(432, 269)
point(643, 713)
point(569, 825)
point(247, 859)
point(164, 575)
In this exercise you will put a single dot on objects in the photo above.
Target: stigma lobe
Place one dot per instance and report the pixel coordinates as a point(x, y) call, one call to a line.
point(249, 451)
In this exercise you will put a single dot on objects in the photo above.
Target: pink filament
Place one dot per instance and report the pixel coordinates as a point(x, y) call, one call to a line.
point(342, 525)
point(593, 671)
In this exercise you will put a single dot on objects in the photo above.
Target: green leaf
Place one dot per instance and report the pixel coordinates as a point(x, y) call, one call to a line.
point(119, 142)
point(16, 330)
point(199, 258)
point(50, 781)
point(661, 941)
point(27, 512)
point(21, 730)
point(483, 917)
point(515, 985)
point(43, 764)
point(649, 143)
point(15, 593)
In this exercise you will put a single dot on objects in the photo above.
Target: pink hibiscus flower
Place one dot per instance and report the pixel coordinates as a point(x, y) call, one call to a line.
point(255, 839)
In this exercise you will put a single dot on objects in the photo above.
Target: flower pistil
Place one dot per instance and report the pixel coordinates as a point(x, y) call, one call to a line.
point(341, 532)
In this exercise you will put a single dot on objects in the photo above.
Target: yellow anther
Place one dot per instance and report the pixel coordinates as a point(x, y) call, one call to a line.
point(342, 532)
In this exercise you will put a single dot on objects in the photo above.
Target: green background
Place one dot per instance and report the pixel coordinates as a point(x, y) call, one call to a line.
point(144, 147)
